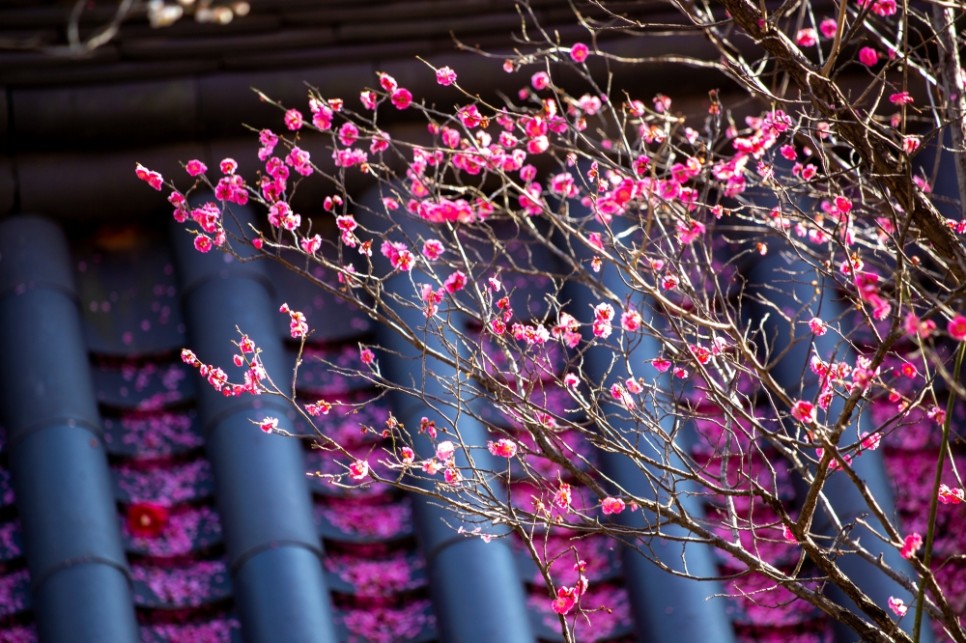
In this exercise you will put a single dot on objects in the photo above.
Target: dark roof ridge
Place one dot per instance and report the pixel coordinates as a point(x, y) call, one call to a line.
point(81, 586)
point(272, 546)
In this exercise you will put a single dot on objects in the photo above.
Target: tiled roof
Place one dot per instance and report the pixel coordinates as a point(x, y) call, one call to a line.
point(184, 522)
point(136, 504)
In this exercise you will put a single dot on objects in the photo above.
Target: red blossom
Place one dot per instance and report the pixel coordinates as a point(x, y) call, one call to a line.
point(147, 519)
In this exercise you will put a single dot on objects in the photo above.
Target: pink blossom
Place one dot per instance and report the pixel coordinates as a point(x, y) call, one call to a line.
point(203, 243)
point(452, 476)
point(565, 601)
point(806, 37)
point(433, 249)
point(817, 326)
point(901, 98)
point(398, 255)
point(445, 76)
point(540, 80)
point(445, 451)
point(788, 535)
point(369, 99)
point(957, 328)
point(319, 407)
point(268, 425)
point(293, 119)
point(868, 56)
point(898, 606)
point(910, 545)
point(470, 116)
point(455, 282)
point(662, 103)
point(804, 411)
point(571, 380)
point(152, 178)
point(884, 8)
point(358, 470)
point(662, 365)
point(228, 165)
point(348, 134)
point(407, 455)
point(268, 141)
point(871, 441)
point(298, 325)
point(579, 52)
point(311, 245)
point(402, 98)
point(503, 448)
point(562, 497)
point(950, 496)
point(828, 27)
point(366, 356)
point(612, 506)
point(387, 82)
point(631, 320)
point(910, 144)
point(194, 167)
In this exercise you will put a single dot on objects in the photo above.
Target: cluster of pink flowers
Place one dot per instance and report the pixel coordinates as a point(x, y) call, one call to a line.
point(298, 326)
point(568, 598)
point(254, 374)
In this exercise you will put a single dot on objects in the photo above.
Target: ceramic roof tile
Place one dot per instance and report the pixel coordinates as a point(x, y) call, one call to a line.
point(157, 455)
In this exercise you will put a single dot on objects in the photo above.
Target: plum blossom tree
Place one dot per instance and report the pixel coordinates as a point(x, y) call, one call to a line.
point(666, 313)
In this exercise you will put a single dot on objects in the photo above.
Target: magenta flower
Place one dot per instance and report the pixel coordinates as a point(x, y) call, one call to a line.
point(828, 27)
point(203, 243)
point(401, 98)
point(565, 601)
point(868, 56)
point(358, 470)
point(563, 496)
point(631, 320)
point(293, 119)
point(957, 328)
point(540, 80)
point(503, 448)
point(804, 411)
point(194, 167)
point(152, 178)
point(366, 356)
point(455, 282)
point(806, 37)
point(950, 496)
point(612, 506)
point(817, 326)
point(445, 76)
point(901, 98)
point(268, 425)
point(579, 52)
point(898, 606)
point(911, 545)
